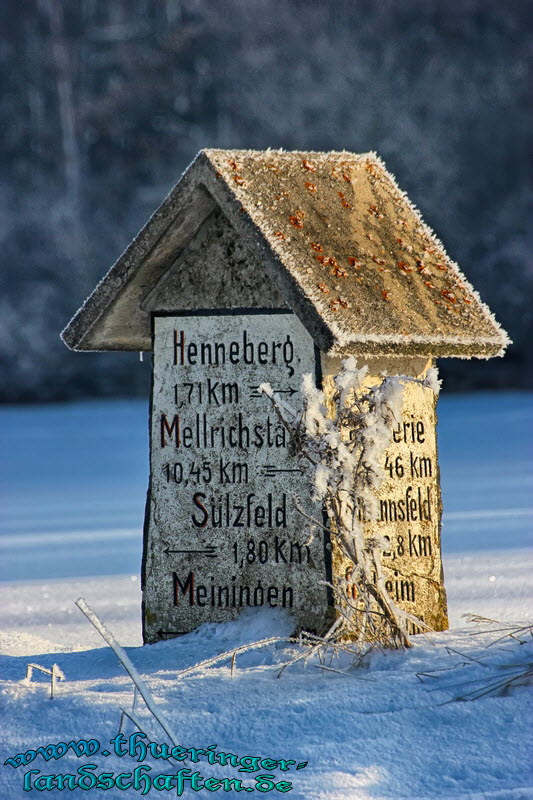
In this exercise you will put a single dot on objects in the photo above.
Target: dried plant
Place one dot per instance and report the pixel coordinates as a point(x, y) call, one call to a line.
point(345, 445)
point(494, 677)
point(509, 630)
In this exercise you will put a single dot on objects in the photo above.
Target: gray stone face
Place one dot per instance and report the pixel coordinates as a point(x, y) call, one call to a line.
point(238, 280)
point(222, 531)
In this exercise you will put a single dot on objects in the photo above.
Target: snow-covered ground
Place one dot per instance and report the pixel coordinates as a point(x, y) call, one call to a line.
point(73, 485)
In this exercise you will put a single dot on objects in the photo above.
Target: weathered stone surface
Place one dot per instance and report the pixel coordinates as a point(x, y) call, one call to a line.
point(222, 531)
point(238, 279)
point(410, 498)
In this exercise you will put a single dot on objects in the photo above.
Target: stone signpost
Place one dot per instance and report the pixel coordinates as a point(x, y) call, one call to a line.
point(257, 268)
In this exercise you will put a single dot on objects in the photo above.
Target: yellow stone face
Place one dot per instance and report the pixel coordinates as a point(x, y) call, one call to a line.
point(409, 497)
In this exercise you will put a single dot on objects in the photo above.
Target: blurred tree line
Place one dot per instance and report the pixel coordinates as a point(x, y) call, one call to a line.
point(105, 102)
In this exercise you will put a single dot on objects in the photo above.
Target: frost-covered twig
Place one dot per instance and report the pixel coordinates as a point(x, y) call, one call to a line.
point(123, 657)
point(345, 445)
point(313, 649)
point(229, 654)
point(341, 672)
point(497, 684)
point(494, 677)
point(511, 630)
point(133, 718)
point(55, 674)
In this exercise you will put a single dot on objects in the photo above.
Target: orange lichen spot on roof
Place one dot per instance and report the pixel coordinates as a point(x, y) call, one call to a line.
point(376, 212)
point(441, 267)
point(323, 288)
point(317, 247)
point(297, 219)
point(327, 260)
point(339, 271)
point(239, 180)
point(378, 261)
point(344, 201)
point(404, 266)
point(308, 165)
point(449, 296)
point(354, 262)
point(338, 303)
point(280, 234)
point(385, 294)
point(311, 187)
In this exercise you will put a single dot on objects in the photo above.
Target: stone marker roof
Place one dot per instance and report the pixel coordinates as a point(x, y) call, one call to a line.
point(341, 243)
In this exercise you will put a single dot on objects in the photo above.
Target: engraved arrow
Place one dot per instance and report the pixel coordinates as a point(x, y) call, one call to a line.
point(256, 393)
point(269, 470)
point(210, 551)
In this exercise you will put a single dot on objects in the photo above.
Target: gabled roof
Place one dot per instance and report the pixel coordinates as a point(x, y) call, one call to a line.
point(340, 242)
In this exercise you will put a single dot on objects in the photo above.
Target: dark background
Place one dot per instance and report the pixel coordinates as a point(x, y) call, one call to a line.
point(105, 102)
